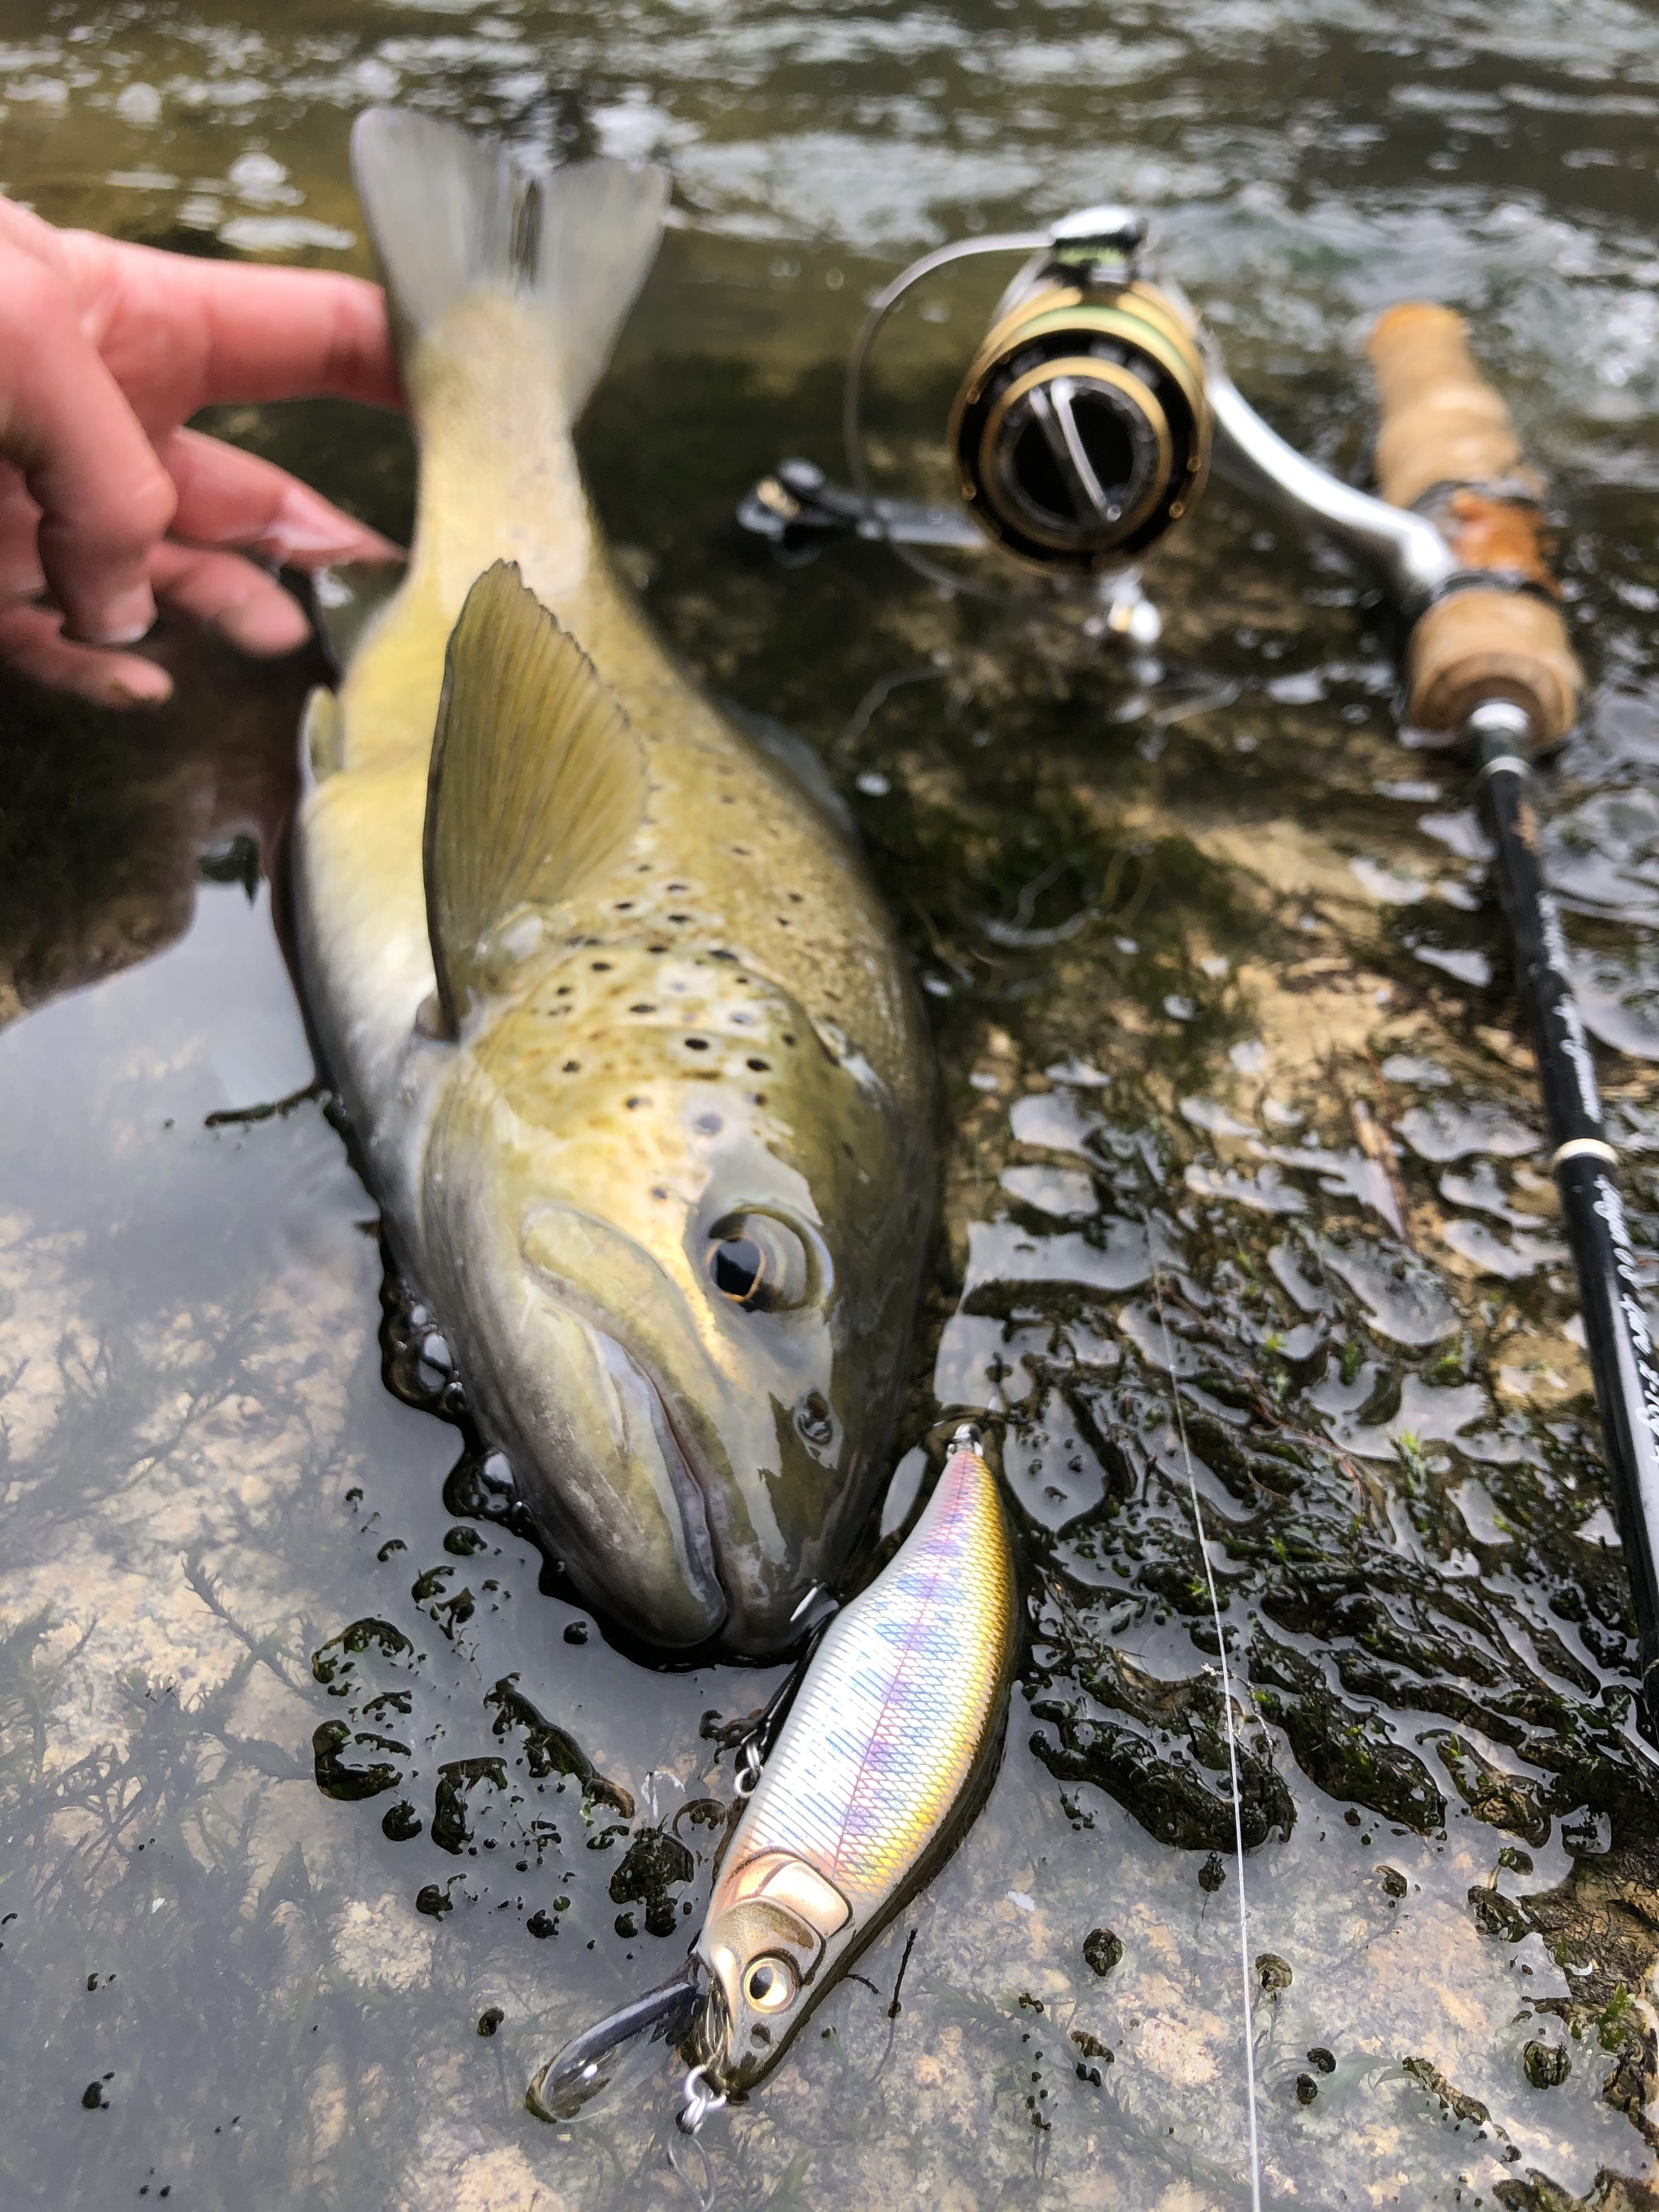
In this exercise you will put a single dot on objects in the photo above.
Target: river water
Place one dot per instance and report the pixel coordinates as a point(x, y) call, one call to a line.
point(326, 1813)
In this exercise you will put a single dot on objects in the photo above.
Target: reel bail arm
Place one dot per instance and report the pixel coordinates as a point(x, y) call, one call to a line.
point(1490, 659)
point(1406, 551)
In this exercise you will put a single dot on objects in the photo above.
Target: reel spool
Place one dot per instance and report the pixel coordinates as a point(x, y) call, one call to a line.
point(1080, 436)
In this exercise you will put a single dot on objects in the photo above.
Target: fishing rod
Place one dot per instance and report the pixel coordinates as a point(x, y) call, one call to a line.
point(1083, 432)
point(1489, 659)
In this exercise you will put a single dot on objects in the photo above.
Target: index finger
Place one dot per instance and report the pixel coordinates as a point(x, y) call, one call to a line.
point(263, 333)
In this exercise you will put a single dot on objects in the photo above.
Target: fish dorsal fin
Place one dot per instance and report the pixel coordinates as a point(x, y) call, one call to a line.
point(536, 781)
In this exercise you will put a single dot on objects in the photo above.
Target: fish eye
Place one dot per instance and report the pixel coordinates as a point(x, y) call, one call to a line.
point(758, 1263)
point(771, 1984)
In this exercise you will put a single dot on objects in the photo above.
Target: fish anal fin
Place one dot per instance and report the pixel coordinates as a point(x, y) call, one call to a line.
point(536, 781)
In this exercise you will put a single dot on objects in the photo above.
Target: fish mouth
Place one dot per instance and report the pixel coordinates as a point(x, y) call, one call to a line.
point(651, 1457)
point(689, 1483)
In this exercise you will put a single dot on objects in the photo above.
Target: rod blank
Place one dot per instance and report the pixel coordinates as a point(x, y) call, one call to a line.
point(1616, 1333)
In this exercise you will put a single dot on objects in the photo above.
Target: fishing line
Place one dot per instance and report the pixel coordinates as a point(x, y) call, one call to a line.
point(1232, 1735)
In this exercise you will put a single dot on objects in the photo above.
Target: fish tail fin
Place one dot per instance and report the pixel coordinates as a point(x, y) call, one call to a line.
point(450, 214)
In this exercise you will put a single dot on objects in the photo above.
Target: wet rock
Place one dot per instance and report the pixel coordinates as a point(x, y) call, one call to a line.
point(549, 1750)
point(1547, 2064)
point(1500, 1916)
point(1505, 1801)
point(452, 1828)
point(342, 1772)
point(1101, 1950)
point(1456, 2101)
point(334, 1664)
point(655, 1868)
point(1347, 1751)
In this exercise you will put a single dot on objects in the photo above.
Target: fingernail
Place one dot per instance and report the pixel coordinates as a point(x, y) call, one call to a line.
point(128, 616)
point(265, 626)
point(140, 684)
point(309, 533)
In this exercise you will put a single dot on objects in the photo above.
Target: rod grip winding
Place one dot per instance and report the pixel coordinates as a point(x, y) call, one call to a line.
point(1446, 444)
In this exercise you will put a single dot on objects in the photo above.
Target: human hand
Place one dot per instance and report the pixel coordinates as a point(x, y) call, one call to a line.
point(107, 504)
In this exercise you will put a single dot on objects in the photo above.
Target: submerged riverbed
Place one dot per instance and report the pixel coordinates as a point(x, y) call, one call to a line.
point(327, 1814)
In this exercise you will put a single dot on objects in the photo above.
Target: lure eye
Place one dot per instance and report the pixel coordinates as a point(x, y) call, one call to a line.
point(758, 1263)
point(771, 1984)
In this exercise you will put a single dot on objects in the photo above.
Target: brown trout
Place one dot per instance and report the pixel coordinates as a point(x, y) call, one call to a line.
point(636, 1067)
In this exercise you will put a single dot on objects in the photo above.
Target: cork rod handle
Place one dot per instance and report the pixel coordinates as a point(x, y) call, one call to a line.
point(1443, 429)
point(1442, 422)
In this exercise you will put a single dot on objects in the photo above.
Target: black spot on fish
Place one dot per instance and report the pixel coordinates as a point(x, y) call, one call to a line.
point(573, 1067)
point(742, 851)
point(709, 1124)
point(679, 917)
point(697, 1044)
point(658, 1191)
point(720, 953)
point(679, 887)
point(641, 1008)
point(760, 1067)
point(794, 898)
point(564, 990)
point(633, 1103)
point(625, 906)
point(787, 1038)
point(656, 948)
point(601, 966)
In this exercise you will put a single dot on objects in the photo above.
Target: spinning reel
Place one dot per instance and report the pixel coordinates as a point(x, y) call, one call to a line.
point(1082, 435)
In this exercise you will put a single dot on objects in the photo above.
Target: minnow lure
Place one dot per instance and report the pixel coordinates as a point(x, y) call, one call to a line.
point(887, 1753)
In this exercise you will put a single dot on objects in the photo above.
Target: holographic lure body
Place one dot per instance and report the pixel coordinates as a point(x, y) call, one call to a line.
point(886, 1754)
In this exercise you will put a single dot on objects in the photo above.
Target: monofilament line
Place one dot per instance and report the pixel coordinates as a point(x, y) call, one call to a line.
point(1232, 1739)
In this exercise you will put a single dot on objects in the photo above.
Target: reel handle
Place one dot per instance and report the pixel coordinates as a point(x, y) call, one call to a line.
point(1446, 446)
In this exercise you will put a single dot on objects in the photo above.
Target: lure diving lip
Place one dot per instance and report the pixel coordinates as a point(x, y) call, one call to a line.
point(579, 2071)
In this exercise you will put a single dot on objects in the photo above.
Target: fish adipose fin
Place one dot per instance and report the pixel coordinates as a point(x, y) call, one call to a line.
point(451, 214)
point(536, 781)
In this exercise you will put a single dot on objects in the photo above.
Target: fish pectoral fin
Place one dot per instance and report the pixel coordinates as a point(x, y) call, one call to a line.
point(536, 781)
